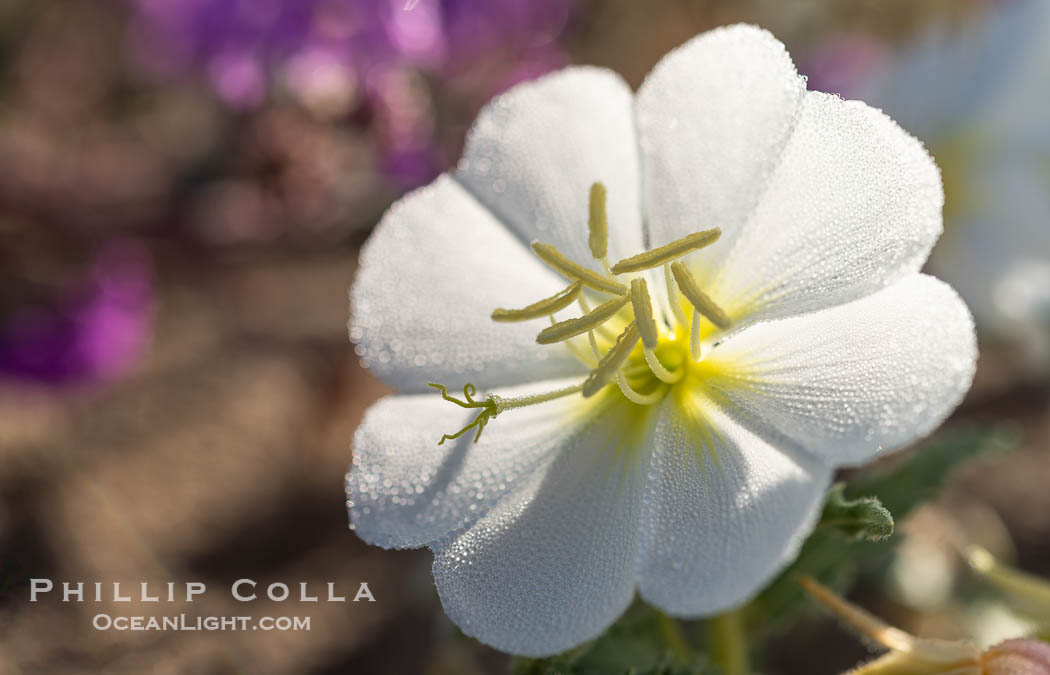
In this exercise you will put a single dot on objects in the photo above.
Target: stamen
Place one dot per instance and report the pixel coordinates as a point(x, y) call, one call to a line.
point(572, 327)
point(586, 309)
point(696, 350)
point(658, 369)
point(672, 296)
point(581, 355)
point(668, 252)
point(558, 301)
point(611, 362)
point(633, 396)
point(594, 346)
point(643, 324)
point(643, 313)
point(598, 222)
point(557, 260)
point(698, 298)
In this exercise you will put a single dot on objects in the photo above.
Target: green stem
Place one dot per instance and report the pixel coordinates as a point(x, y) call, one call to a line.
point(671, 632)
point(727, 644)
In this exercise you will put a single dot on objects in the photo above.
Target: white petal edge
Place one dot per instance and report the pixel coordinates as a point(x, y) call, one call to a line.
point(430, 275)
point(553, 565)
point(713, 118)
point(724, 511)
point(848, 382)
point(406, 491)
point(854, 205)
point(534, 152)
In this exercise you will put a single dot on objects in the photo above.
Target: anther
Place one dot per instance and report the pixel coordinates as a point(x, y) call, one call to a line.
point(558, 301)
point(573, 327)
point(643, 313)
point(611, 362)
point(598, 222)
point(557, 260)
point(691, 290)
point(668, 252)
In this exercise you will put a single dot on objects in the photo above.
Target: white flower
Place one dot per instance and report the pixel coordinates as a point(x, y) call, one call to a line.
point(819, 343)
point(979, 99)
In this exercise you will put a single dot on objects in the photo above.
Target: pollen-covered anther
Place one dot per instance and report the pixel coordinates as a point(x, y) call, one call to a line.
point(612, 361)
point(663, 254)
point(691, 290)
point(643, 313)
point(572, 270)
point(598, 222)
point(556, 302)
point(564, 330)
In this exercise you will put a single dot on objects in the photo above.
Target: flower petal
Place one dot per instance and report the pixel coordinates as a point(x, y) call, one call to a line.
point(429, 278)
point(850, 381)
point(534, 152)
point(724, 510)
point(854, 205)
point(405, 491)
point(553, 564)
point(713, 118)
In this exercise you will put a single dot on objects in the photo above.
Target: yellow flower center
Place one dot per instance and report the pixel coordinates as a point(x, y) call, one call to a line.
point(620, 339)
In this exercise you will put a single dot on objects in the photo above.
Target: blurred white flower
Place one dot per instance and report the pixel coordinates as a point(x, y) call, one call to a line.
point(679, 437)
point(978, 99)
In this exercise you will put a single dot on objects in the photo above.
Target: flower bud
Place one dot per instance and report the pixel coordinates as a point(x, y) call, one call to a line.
point(1024, 656)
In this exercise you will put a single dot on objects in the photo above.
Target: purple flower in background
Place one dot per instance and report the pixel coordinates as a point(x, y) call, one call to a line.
point(840, 63)
point(340, 56)
point(97, 331)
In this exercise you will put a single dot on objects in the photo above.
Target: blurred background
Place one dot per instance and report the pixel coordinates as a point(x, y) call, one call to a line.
point(184, 185)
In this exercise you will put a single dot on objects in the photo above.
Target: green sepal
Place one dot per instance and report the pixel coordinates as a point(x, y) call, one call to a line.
point(861, 519)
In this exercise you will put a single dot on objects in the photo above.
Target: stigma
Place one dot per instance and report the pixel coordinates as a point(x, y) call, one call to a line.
point(625, 344)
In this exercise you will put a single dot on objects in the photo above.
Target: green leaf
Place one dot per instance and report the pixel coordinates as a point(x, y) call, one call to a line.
point(862, 519)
